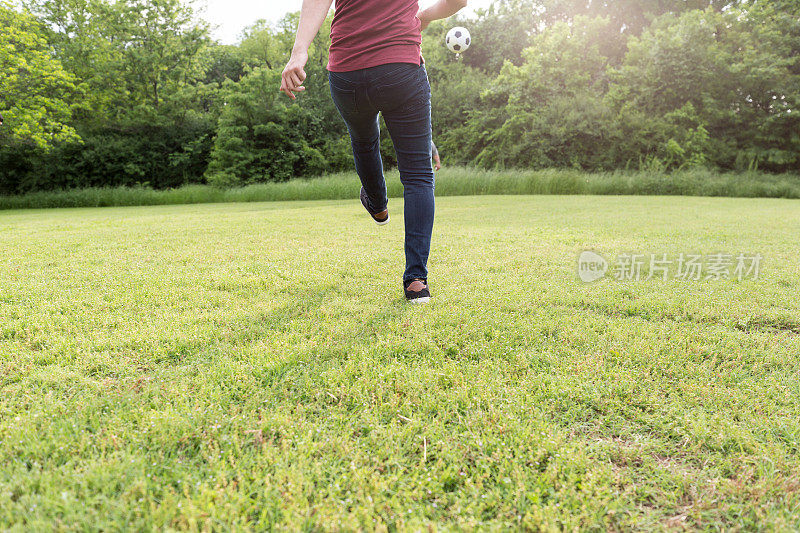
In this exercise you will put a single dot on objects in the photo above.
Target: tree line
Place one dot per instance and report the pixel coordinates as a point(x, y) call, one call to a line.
point(136, 92)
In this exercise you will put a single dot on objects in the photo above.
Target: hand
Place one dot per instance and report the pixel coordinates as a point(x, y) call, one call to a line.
point(294, 74)
point(437, 165)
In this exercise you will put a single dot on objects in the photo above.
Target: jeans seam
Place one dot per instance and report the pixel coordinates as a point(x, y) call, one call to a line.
point(369, 100)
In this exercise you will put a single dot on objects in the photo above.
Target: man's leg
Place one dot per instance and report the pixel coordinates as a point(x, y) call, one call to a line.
point(410, 127)
point(362, 124)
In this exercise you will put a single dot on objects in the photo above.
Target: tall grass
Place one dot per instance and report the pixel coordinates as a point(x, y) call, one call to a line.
point(456, 181)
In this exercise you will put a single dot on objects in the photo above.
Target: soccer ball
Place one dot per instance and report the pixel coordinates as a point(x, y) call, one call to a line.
point(458, 40)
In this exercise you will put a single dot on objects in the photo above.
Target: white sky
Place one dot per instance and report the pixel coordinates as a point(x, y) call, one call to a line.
point(232, 16)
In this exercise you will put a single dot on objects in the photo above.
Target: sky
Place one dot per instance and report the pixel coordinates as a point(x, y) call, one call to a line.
point(231, 16)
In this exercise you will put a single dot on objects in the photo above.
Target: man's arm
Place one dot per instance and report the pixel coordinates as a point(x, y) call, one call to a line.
point(441, 10)
point(435, 152)
point(312, 15)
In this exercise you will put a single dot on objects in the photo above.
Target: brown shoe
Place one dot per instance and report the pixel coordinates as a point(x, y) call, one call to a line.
point(381, 217)
point(417, 291)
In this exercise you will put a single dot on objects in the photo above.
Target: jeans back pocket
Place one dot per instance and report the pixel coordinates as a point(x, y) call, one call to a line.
point(343, 93)
point(400, 88)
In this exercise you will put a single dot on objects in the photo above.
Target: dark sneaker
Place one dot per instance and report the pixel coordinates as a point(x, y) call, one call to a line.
point(380, 218)
point(417, 291)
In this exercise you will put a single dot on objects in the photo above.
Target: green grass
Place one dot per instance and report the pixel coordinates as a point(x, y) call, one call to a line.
point(452, 181)
point(253, 366)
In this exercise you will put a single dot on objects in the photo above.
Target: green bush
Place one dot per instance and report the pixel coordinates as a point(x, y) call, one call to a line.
point(263, 137)
point(158, 155)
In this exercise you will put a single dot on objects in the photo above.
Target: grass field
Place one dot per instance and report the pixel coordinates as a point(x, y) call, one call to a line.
point(253, 366)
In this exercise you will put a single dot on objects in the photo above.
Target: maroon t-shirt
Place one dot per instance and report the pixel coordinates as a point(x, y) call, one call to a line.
point(368, 33)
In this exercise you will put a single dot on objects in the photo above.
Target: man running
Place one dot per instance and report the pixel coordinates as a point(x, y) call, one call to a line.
point(375, 66)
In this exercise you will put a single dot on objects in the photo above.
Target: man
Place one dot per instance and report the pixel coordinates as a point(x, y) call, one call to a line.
point(376, 66)
point(437, 162)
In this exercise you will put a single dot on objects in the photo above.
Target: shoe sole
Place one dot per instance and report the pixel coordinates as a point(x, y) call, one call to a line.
point(423, 300)
point(382, 223)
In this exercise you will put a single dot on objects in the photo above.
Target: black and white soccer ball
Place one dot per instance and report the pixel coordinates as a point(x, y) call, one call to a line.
point(458, 40)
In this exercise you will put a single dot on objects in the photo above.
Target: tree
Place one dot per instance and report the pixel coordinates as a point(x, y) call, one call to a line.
point(34, 87)
point(160, 46)
point(78, 32)
point(502, 32)
point(549, 110)
point(263, 137)
point(728, 76)
point(126, 54)
point(628, 16)
point(265, 45)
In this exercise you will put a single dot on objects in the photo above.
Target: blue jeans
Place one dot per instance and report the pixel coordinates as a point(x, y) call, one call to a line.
point(401, 92)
